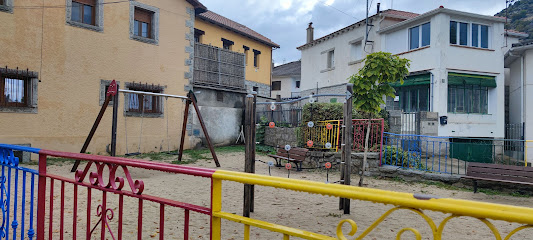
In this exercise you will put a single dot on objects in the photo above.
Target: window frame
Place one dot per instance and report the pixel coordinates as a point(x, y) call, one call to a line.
point(157, 101)
point(198, 35)
point(257, 54)
point(29, 93)
point(470, 34)
point(97, 23)
point(276, 83)
point(405, 97)
point(420, 36)
point(330, 59)
point(246, 50)
point(154, 23)
point(227, 44)
point(467, 99)
point(7, 6)
point(354, 55)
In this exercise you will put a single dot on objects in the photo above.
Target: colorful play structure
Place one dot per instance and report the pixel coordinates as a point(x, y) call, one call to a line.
point(34, 193)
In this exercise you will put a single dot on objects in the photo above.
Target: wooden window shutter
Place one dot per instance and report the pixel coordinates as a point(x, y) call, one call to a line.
point(142, 15)
point(86, 2)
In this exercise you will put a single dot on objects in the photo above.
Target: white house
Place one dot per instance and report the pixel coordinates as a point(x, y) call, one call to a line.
point(457, 65)
point(286, 80)
point(519, 59)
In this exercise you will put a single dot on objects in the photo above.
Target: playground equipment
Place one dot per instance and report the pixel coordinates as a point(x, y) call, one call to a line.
point(346, 143)
point(112, 94)
point(52, 205)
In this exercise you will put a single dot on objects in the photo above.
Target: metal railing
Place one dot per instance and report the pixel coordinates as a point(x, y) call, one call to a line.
point(446, 154)
point(324, 135)
point(416, 203)
point(286, 117)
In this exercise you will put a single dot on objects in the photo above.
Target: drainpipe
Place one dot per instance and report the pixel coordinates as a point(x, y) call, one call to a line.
point(432, 86)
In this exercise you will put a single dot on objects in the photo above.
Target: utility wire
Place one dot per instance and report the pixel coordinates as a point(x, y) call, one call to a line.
point(324, 3)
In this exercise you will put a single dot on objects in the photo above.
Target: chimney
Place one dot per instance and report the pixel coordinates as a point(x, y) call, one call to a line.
point(378, 8)
point(310, 33)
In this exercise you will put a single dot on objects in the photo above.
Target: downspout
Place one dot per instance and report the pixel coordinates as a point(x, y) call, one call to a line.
point(432, 85)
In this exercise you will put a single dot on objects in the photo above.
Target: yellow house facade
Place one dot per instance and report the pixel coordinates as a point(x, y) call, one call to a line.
point(57, 57)
point(216, 30)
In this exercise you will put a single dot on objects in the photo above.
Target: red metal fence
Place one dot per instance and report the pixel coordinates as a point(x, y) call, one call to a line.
point(375, 139)
point(101, 177)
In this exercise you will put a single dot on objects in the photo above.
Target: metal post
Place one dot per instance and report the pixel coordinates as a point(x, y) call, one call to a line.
point(114, 126)
point(41, 198)
point(184, 127)
point(112, 91)
point(249, 132)
point(348, 138)
point(201, 120)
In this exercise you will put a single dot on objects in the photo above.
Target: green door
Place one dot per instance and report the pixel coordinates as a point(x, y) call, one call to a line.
point(471, 150)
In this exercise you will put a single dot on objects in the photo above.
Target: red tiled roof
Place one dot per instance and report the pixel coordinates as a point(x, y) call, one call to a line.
point(514, 31)
point(401, 14)
point(235, 26)
point(389, 13)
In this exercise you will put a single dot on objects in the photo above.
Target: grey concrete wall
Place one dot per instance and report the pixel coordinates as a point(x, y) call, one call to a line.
point(223, 119)
point(280, 136)
point(335, 89)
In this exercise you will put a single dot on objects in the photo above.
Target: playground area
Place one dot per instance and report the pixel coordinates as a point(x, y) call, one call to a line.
point(310, 212)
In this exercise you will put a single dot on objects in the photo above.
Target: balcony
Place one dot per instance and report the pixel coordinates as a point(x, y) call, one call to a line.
point(218, 68)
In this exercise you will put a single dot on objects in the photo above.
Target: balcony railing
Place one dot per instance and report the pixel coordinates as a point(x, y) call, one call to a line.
point(217, 67)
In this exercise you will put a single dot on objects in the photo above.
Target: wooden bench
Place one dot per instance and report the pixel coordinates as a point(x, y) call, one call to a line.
point(499, 173)
point(296, 155)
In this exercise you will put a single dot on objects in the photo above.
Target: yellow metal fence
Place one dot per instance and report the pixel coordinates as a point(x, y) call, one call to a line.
point(416, 203)
point(527, 144)
point(321, 135)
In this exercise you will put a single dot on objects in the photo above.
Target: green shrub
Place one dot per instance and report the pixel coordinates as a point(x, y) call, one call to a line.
point(396, 156)
point(260, 130)
point(322, 112)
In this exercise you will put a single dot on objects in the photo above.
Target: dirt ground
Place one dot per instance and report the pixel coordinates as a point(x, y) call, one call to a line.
point(309, 212)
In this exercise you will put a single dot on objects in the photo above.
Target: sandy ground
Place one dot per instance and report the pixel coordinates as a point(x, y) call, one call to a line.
point(309, 212)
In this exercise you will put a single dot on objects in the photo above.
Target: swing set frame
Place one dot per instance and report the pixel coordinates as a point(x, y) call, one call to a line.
point(112, 94)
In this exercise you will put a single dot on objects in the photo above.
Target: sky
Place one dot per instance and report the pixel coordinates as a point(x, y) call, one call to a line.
point(285, 21)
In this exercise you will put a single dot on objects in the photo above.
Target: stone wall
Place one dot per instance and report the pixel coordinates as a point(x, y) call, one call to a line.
point(280, 136)
point(318, 159)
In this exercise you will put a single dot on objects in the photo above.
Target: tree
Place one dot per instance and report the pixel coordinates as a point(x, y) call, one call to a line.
point(371, 83)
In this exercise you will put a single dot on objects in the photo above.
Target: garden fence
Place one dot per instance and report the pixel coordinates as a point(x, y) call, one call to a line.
point(448, 155)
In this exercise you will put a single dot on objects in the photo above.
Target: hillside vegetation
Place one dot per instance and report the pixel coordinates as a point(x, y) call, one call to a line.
point(520, 16)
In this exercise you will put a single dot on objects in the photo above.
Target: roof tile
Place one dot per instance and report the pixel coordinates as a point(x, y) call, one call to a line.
point(226, 22)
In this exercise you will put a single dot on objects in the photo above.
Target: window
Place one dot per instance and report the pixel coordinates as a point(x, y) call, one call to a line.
point(356, 51)
point(255, 89)
point(256, 58)
point(331, 59)
point(6, 6)
point(138, 103)
point(220, 96)
point(468, 93)
point(480, 36)
point(468, 99)
point(246, 50)
point(297, 84)
point(459, 33)
point(276, 85)
point(86, 14)
point(198, 35)
point(17, 89)
point(419, 36)
point(104, 85)
point(144, 23)
point(414, 98)
point(226, 44)
point(83, 11)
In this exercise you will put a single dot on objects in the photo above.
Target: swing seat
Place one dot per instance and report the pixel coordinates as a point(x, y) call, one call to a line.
point(133, 154)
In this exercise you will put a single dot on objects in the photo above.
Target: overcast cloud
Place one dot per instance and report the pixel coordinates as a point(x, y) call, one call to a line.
point(285, 21)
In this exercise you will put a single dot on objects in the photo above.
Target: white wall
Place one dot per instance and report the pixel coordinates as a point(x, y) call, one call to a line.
point(441, 58)
point(314, 59)
point(288, 85)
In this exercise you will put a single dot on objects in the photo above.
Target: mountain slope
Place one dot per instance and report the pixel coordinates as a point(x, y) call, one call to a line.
point(520, 16)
